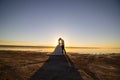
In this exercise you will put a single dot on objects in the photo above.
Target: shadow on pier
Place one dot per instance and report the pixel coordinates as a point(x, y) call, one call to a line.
point(57, 67)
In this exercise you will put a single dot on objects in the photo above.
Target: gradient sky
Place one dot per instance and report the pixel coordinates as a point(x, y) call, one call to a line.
point(78, 22)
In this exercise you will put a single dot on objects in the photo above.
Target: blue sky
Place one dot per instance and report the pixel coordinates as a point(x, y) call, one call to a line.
point(78, 22)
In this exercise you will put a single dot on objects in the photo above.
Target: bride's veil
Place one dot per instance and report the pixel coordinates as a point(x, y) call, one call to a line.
point(57, 50)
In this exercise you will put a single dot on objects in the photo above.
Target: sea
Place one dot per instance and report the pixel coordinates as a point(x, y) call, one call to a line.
point(79, 50)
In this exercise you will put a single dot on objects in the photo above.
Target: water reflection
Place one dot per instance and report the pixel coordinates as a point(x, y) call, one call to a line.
point(74, 50)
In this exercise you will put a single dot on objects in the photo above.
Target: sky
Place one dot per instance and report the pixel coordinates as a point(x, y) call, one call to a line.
point(81, 23)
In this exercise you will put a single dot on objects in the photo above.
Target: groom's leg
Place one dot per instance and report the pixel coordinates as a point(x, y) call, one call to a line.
point(62, 49)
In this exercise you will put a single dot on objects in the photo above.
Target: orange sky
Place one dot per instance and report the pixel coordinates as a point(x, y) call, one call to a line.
point(54, 43)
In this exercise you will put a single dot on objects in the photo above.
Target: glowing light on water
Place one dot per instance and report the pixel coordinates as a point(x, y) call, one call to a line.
point(51, 49)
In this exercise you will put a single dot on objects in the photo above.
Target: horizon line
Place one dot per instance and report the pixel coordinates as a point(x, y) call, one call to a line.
point(43, 46)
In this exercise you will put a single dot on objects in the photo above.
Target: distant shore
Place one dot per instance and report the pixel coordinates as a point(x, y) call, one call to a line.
point(81, 50)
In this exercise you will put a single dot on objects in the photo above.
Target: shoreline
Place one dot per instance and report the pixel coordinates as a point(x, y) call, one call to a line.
point(48, 52)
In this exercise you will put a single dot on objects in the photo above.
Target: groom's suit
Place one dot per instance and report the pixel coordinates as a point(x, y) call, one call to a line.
point(63, 46)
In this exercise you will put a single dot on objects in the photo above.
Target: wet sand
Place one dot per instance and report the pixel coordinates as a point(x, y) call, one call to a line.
point(25, 65)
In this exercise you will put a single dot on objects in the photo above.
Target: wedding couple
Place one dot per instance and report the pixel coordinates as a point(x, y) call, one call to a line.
point(60, 48)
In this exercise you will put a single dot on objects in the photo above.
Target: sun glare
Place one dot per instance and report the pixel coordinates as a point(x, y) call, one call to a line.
point(55, 43)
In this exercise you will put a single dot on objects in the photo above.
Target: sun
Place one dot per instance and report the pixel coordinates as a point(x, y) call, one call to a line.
point(55, 41)
point(63, 36)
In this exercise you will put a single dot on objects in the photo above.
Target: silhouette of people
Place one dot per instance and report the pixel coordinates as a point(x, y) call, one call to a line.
point(62, 44)
point(57, 67)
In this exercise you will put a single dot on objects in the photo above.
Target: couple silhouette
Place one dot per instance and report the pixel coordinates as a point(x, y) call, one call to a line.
point(60, 48)
point(58, 66)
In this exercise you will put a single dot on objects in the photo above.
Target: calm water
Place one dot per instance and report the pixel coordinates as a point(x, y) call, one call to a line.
point(75, 50)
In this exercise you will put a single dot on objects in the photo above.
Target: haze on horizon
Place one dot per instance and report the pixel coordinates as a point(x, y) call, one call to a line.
point(82, 23)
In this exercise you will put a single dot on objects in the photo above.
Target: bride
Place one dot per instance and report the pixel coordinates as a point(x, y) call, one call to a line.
point(58, 49)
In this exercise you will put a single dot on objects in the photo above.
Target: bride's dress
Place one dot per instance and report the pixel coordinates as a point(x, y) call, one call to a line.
point(57, 51)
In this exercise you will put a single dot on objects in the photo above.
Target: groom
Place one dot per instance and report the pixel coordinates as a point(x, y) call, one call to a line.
point(61, 43)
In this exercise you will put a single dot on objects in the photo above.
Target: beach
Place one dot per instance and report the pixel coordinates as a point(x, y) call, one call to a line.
point(29, 65)
point(60, 40)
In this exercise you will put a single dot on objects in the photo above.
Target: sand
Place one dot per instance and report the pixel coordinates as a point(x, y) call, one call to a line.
point(28, 65)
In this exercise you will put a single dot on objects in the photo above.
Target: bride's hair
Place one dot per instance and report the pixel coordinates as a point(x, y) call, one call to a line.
point(59, 41)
